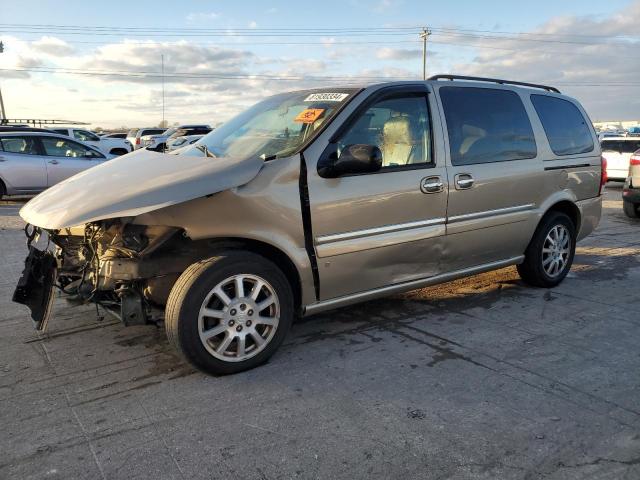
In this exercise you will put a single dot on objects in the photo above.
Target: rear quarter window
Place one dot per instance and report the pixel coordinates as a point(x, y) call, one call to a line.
point(486, 125)
point(566, 128)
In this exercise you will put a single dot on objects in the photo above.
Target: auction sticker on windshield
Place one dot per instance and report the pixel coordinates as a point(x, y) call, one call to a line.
point(326, 97)
point(309, 115)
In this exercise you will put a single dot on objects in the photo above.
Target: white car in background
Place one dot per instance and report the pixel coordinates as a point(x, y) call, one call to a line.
point(618, 151)
point(121, 135)
point(160, 142)
point(32, 161)
point(112, 146)
point(182, 142)
point(135, 135)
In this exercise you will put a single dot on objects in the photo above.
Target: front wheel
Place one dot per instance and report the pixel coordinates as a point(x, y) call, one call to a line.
point(631, 209)
point(229, 313)
point(549, 256)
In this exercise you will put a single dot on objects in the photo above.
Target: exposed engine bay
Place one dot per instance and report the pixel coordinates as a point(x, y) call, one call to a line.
point(126, 268)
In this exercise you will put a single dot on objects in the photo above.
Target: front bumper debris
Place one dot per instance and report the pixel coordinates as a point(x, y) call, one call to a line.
point(36, 285)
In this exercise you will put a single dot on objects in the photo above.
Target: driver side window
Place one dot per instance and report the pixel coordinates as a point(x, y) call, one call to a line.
point(399, 126)
point(61, 147)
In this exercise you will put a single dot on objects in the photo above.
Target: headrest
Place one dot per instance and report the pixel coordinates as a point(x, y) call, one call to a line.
point(397, 130)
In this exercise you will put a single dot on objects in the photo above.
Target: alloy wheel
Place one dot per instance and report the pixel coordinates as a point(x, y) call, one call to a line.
point(556, 250)
point(239, 317)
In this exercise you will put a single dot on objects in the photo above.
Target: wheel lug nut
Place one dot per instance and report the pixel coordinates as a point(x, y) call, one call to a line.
point(243, 307)
point(239, 328)
point(248, 323)
point(232, 323)
point(233, 311)
point(250, 312)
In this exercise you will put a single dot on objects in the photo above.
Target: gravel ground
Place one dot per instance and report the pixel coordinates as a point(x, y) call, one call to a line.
point(482, 378)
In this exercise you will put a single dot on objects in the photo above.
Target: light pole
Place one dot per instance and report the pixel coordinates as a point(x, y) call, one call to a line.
point(424, 35)
point(162, 59)
point(3, 114)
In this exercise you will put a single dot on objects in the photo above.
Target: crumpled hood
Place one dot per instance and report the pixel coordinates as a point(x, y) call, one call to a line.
point(133, 184)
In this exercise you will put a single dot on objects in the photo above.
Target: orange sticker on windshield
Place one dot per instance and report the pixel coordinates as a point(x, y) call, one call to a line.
point(309, 115)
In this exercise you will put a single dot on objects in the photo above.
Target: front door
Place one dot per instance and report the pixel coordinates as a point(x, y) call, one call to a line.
point(65, 158)
point(382, 228)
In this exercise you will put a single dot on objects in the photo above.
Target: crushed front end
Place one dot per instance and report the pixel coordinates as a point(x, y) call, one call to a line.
point(126, 268)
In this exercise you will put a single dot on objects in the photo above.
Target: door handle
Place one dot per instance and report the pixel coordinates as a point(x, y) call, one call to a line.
point(431, 185)
point(54, 162)
point(464, 181)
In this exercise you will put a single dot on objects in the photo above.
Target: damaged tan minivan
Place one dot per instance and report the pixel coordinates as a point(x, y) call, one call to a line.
point(317, 199)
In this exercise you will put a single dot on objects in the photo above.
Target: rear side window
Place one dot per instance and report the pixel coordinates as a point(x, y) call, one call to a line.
point(24, 145)
point(486, 125)
point(151, 132)
point(620, 146)
point(566, 128)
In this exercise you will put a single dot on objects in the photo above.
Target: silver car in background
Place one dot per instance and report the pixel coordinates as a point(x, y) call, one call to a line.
point(317, 199)
point(32, 161)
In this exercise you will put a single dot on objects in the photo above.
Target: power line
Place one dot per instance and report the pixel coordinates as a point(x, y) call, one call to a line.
point(188, 75)
point(342, 79)
point(54, 28)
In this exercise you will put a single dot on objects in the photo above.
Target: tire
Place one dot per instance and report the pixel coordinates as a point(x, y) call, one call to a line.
point(197, 290)
point(3, 190)
point(631, 209)
point(535, 270)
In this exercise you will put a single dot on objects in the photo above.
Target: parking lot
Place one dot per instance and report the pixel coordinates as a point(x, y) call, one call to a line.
point(481, 378)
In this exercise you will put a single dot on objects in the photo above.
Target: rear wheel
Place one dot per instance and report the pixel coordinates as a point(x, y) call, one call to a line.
point(229, 313)
point(631, 209)
point(549, 256)
point(3, 190)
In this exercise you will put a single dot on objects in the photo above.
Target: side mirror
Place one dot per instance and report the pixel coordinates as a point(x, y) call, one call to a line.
point(354, 159)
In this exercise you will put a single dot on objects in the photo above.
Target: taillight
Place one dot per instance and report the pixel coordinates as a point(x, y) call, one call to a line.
point(138, 141)
point(603, 173)
point(635, 160)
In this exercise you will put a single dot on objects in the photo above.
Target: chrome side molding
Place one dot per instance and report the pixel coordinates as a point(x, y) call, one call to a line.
point(491, 213)
point(397, 227)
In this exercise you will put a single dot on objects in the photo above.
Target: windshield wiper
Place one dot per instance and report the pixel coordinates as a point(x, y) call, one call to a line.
point(203, 148)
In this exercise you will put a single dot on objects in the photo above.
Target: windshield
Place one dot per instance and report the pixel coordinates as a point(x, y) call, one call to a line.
point(168, 133)
point(275, 127)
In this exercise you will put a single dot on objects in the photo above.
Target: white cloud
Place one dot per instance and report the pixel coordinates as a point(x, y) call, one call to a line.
point(387, 53)
point(577, 54)
point(52, 46)
point(385, 5)
point(253, 24)
point(114, 100)
point(201, 16)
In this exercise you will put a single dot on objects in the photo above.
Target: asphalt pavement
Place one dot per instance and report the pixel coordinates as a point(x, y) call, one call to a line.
point(482, 378)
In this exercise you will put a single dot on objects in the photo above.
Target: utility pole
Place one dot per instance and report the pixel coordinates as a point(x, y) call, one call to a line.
point(162, 59)
point(3, 114)
point(424, 35)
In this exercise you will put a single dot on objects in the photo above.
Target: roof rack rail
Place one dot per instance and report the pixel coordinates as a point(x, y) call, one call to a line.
point(494, 80)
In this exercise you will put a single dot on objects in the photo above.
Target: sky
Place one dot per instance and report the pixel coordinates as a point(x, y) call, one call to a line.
point(103, 65)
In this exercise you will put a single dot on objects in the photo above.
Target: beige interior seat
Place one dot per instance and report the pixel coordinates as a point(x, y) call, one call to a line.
point(397, 142)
